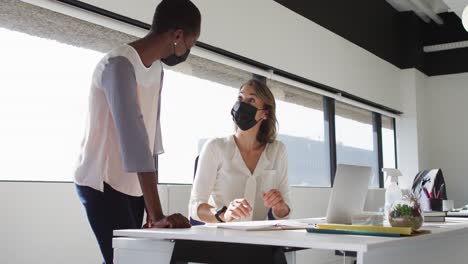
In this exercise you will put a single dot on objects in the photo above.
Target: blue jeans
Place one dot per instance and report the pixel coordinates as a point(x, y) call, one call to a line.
point(108, 211)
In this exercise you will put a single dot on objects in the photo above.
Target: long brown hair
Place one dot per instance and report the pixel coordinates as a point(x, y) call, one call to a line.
point(267, 132)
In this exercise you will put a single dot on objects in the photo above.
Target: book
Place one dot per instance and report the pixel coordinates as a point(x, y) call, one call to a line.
point(429, 219)
point(461, 213)
point(433, 213)
point(407, 231)
point(265, 225)
point(368, 218)
point(351, 232)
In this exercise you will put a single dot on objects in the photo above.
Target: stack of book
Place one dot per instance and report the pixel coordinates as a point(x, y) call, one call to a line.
point(368, 230)
point(434, 216)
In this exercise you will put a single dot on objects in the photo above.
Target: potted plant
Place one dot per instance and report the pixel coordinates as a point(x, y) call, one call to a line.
point(406, 213)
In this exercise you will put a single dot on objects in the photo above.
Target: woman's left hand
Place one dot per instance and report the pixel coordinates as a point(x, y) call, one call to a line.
point(274, 200)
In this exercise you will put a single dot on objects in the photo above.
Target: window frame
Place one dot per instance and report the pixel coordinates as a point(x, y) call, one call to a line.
point(329, 115)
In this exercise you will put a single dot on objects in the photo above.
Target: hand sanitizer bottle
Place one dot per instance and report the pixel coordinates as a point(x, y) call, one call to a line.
point(393, 192)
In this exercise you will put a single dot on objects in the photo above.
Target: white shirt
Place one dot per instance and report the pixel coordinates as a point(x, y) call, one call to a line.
point(123, 131)
point(223, 176)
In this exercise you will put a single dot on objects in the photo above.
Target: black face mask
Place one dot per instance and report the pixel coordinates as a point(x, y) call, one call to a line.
point(173, 59)
point(244, 115)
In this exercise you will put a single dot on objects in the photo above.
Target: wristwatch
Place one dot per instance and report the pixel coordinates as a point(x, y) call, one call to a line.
point(219, 211)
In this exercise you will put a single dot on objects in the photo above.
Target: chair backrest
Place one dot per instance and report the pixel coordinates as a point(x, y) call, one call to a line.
point(193, 221)
point(195, 167)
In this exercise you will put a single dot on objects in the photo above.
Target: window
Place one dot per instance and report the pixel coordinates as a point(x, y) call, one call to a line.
point(196, 105)
point(42, 106)
point(354, 139)
point(301, 129)
point(388, 143)
point(47, 64)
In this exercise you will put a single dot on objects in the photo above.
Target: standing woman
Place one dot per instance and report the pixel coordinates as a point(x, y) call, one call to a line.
point(244, 176)
point(116, 175)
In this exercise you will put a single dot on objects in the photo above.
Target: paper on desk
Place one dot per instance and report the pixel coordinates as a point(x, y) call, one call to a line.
point(265, 225)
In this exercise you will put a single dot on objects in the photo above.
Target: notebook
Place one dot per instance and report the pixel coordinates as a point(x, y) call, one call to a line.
point(430, 219)
point(434, 213)
point(434, 216)
point(368, 228)
point(351, 232)
point(265, 225)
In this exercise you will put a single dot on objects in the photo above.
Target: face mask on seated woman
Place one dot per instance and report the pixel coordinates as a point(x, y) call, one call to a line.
point(244, 115)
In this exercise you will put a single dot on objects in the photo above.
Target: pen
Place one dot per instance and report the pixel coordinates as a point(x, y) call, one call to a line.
point(429, 195)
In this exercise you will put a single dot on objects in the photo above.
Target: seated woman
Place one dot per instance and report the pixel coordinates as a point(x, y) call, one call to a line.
point(244, 176)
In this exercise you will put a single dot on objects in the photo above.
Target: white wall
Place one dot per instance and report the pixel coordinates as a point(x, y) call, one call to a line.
point(412, 84)
point(46, 223)
point(43, 223)
point(445, 128)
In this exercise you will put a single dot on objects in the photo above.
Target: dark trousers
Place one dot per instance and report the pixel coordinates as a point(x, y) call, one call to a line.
point(108, 211)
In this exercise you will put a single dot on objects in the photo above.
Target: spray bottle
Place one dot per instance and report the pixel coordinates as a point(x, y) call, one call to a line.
point(393, 192)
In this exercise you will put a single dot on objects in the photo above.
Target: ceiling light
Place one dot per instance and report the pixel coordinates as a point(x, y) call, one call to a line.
point(465, 18)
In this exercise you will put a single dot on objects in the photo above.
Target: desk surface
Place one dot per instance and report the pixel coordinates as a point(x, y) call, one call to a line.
point(298, 238)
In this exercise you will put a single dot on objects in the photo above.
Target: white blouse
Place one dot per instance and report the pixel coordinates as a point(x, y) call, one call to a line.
point(123, 131)
point(223, 176)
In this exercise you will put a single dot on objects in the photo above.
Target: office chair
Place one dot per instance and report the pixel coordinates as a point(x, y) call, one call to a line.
point(193, 221)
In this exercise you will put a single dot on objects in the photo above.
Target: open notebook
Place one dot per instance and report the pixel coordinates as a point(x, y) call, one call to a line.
point(269, 225)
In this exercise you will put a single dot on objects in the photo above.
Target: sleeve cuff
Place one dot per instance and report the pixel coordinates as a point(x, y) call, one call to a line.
point(193, 210)
point(148, 165)
point(275, 217)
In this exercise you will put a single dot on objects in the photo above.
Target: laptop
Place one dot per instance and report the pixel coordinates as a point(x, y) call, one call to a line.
point(349, 193)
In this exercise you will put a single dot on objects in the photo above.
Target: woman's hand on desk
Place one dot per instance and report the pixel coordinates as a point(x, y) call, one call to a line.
point(237, 209)
point(172, 221)
point(274, 200)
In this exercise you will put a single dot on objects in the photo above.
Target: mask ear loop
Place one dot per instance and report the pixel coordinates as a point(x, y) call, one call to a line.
point(264, 109)
point(263, 118)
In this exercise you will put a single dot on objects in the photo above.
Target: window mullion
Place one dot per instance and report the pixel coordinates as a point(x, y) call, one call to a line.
point(330, 135)
point(377, 127)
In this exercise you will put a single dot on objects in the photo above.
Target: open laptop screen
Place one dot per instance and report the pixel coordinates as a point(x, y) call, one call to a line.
point(348, 194)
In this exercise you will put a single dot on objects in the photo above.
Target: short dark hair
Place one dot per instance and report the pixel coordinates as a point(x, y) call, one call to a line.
point(176, 14)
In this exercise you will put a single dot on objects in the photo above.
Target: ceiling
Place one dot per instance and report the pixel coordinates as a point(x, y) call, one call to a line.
point(457, 6)
point(427, 9)
point(396, 30)
point(437, 6)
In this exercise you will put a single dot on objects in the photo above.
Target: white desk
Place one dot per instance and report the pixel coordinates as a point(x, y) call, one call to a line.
point(448, 243)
